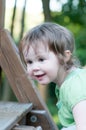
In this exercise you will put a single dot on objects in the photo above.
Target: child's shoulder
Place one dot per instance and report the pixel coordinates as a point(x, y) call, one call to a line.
point(75, 79)
point(74, 88)
point(76, 75)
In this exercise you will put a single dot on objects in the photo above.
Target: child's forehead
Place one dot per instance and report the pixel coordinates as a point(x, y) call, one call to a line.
point(36, 49)
point(41, 48)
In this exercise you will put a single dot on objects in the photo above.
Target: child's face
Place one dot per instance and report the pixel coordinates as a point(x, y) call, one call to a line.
point(42, 65)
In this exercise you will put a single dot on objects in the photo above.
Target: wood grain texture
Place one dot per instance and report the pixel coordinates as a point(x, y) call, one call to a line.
point(22, 86)
point(11, 113)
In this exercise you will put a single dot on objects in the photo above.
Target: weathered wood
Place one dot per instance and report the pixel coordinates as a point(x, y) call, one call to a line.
point(22, 86)
point(38, 117)
point(16, 74)
point(11, 113)
point(2, 14)
point(22, 127)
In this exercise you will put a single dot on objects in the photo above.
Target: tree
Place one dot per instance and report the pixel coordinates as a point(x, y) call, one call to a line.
point(13, 18)
point(22, 20)
point(46, 10)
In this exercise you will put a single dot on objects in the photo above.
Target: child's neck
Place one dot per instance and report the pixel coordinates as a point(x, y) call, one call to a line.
point(63, 74)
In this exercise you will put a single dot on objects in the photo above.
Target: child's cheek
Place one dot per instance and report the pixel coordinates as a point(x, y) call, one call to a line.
point(29, 70)
point(30, 74)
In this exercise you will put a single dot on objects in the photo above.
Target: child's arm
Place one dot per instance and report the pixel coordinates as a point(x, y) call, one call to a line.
point(79, 112)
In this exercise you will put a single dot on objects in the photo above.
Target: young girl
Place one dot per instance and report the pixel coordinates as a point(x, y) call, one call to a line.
point(47, 51)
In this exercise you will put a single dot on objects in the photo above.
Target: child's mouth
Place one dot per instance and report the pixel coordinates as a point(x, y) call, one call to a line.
point(39, 76)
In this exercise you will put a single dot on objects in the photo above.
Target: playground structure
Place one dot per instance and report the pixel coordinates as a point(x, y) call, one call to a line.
point(30, 112)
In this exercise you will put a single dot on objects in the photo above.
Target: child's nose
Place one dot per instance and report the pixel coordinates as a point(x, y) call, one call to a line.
point(36, 67)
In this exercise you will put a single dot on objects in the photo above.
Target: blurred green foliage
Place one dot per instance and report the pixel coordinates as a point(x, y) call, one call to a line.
point(72, 16)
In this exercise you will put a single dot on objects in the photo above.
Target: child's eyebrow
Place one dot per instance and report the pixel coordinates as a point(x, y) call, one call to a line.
point(42, 55)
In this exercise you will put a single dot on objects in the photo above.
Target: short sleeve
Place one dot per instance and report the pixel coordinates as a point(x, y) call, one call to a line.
point(74, 90)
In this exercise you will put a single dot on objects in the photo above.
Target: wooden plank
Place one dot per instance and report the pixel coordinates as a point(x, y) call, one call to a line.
point(2, 14)
point(11, 113)
point(11, 64)
point(39, 117)
point(22, 86)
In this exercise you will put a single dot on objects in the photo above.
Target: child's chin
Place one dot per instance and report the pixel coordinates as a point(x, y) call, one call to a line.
point(44, 83)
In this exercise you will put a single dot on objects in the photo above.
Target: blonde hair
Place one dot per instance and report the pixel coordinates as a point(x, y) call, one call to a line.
point(55, 36)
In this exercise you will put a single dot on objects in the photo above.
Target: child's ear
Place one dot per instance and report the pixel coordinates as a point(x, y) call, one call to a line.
point(67, 54)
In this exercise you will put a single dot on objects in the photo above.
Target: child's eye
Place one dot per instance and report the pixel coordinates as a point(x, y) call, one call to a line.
point(29, 62)
point(41, 59)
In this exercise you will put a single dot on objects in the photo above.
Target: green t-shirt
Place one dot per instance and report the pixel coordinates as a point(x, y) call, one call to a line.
point(71, 92)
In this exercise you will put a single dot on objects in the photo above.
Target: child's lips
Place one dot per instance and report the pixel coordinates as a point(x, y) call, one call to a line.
point(39, 76)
